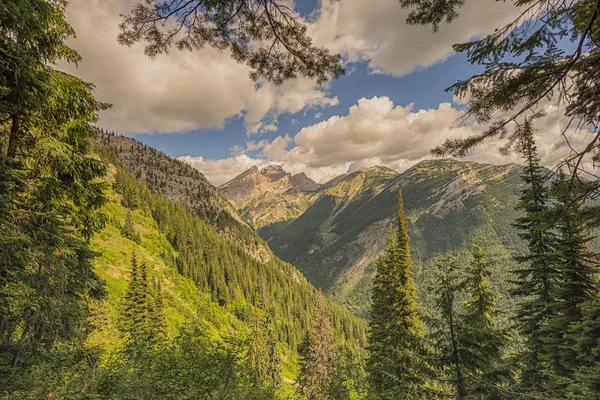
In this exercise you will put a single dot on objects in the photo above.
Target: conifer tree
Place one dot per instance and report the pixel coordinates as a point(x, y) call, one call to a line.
point(128, 229)
point(274, 370)
point(319, 355)
point(138, 312)
point(446, 328)
point(575, 284)
point(469, 343)
point(50, 190)
point(159, 321)
point(586, 336)
point(536, 274)
point(486, 343)
point(258, 351)
point(396, 364)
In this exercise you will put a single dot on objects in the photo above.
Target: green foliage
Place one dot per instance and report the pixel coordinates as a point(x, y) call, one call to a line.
point(536, 275)
point(396, 363)
point(267, 36)
point(549, 50)
point(466, 333)
point(319, 356)
point(128, 229)
point(50, 208)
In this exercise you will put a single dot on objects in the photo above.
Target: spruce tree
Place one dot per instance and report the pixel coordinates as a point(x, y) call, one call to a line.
point(396, 363)
point(486, 342)
point(469, 343)
point(274, 370)
point(128, 229)
point(160, 327)
point(586, 337)
point(576, 283)
point(258, 351)
point(536, 274)
point(137, 310)
point(319, 355)
point(446, 334)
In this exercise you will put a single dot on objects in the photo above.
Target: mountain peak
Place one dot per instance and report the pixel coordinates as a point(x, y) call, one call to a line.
point(272, 170)
point(303, 183)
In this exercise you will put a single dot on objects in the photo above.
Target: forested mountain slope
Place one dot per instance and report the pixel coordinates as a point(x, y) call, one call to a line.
point(182, 184)
point(449, 204)
point(213, 256)
point(216, 300)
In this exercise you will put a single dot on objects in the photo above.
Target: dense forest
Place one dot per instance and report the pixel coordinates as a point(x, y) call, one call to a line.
point(125, 275)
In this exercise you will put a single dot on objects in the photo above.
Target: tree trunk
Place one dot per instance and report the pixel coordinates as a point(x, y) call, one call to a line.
point(17, 352)
point(14, 136)
point(460, 390)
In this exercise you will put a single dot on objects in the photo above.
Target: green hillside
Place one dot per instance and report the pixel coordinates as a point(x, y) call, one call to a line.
point(217, 294)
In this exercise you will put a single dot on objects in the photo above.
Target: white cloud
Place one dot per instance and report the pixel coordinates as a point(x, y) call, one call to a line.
point(175, 92)
point(221, 171)
point(376, 31)
point(377, 132)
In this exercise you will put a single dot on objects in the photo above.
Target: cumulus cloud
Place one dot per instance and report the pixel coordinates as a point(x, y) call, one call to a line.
point(375, 31)
point(176, 92)
point(375, 131)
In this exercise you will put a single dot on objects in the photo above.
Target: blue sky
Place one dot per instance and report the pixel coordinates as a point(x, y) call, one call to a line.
point(424, 87)
point(202, 106)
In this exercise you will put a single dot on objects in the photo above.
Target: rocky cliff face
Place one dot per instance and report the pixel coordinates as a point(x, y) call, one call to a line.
point(270, 195)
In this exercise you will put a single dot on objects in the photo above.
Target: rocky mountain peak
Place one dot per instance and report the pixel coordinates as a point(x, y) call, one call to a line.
point(273, 172)
point(304, 183)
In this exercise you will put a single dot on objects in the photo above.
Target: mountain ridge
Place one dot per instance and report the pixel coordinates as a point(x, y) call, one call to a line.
point(449, 203)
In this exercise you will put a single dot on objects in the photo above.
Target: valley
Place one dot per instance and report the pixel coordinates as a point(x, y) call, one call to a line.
point(335, 240)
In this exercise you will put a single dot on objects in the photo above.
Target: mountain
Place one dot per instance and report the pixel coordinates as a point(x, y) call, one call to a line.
point(179, 183)
point(450, 204)
point(270, 195)
point(184, 233)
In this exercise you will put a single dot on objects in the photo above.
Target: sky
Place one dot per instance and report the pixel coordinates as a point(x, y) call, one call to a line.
point(389, 109)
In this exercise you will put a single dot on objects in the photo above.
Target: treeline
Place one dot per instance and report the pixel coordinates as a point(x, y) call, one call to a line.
point(465, 347)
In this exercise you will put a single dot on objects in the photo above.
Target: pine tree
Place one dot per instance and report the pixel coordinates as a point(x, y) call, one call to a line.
point(137, 310)
point(446, 333)
point(160, 327)
point(319, 355)
point(468, 341)
point(396, 343)
point(575, 284)
point(50, 186)
point(258, 351)
point(536, 274)
point(486, 343)
point(274, 370)
point(586, 336)
point(128, 229)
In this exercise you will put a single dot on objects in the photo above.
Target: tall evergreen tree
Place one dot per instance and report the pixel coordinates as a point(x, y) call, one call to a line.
point(536, 275)
point(486, 342)
point(396, 363)
point(586, 336)
point(319, 355)
point(470, 344)
point(576, 283)
point(159, 320)
point(128, 229)
point(446, 328)
point(138, 307)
